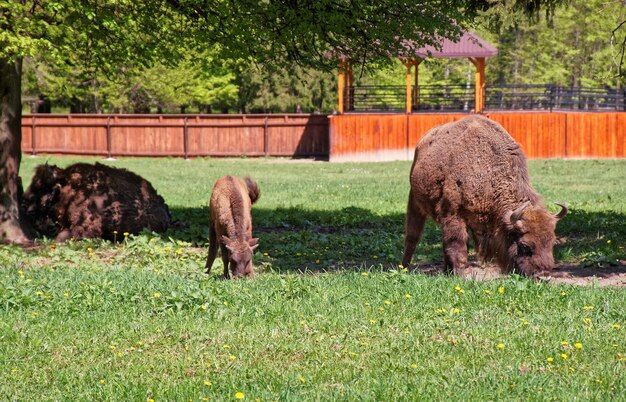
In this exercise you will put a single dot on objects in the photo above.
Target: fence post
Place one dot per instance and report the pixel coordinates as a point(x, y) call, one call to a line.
point(186, 140)
point(33, 137)
point(266, 141)
point(109, 153)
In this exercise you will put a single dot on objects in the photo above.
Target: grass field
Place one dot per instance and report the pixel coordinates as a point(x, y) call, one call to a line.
point(329, 315)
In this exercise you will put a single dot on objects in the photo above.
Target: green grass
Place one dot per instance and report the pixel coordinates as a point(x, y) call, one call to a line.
point(329, 315)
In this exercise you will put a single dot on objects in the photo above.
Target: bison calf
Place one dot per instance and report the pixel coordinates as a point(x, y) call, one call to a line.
point(92, 201)
point(230, 225)
point(471, 175)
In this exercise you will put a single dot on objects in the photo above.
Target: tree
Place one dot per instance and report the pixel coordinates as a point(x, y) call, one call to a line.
point(103, 34)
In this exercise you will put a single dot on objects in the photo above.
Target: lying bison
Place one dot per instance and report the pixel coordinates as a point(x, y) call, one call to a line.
point(92, 201)
point(471, 174)
point(230, 225)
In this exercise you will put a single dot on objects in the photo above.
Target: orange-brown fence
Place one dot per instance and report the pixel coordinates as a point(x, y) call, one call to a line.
point(296, 135)
point(541, 134)
point(346, 137)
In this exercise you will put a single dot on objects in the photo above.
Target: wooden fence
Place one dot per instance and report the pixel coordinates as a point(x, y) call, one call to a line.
point(295, 135)
point(340, 137)
point(541, 134)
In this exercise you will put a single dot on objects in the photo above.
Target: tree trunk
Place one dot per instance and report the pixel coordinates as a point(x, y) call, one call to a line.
point(11, 229)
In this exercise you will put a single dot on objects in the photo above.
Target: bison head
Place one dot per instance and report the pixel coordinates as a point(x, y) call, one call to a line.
point(240, 255)
point(40, 198)
point(531, 231)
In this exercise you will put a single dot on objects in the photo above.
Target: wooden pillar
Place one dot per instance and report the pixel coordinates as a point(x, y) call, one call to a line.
point(341, 82)
point(409, 84)
point(350, 78)
point(416, 100)
point(479, 93)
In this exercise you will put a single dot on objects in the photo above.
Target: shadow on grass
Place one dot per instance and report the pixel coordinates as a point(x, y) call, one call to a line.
point(295, 239)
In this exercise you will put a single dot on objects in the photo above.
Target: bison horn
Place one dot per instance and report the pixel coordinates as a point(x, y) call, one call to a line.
point(515, 215)
point(562, 212)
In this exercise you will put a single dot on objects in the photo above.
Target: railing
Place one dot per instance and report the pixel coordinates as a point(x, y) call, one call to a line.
point(552, 97)
point(443, 98)
point(375, 98)
point(460, 98)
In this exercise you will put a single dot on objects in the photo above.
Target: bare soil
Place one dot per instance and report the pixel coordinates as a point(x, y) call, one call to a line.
point(562, 274)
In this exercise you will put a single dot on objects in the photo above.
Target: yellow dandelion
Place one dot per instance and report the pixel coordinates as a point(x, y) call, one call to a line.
point(587, 307)
point(387, 302)
point(207, 383)
point(550, 359)
point(157, 295)
point(302, 380)
point(375, 257)
point(500, 346)
point(563, 293)
point(113, 347)
point(179, 251)
point(564, 343)
point(501, 289)
point(66, 295)
point(487, 291)
point(226, 346)
point(364, 273)
point(150, 400)
point(587, 320)
point(381, 309)
point(408, 296)
point(203, 307)
point(120, 354)
point(126, 234)
point(102, 381)
point(578, 345)
point(372, 322)
point(232, 357)
point(89, 249)
point(616, 326)
point(456, 311)
point(39, 293)
point(265, 254)
point(564, 355)
point(608, 241)
point(413, 366)
point(239, 395)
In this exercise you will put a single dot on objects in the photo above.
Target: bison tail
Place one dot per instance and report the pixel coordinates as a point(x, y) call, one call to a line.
point(253, 189)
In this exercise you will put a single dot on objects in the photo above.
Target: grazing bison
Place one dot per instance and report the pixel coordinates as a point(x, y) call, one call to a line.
point(471, 175)
point(92, 201)
point(230, 225)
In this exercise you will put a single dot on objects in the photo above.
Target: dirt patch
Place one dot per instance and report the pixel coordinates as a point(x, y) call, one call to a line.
point(562, 274)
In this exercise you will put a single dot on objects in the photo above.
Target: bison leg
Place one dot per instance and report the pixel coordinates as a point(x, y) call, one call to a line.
point(225, 260)
point(413, 228)
point(454, 244)
point(212, 249)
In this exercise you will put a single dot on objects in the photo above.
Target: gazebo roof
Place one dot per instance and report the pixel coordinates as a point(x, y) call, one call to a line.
point(469, 45)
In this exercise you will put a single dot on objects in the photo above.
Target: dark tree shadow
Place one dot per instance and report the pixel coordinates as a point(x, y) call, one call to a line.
point(295, 239)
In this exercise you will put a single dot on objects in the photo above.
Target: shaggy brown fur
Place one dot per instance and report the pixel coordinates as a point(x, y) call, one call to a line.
point(230, 225)
point(92, 201)
point(471, 175)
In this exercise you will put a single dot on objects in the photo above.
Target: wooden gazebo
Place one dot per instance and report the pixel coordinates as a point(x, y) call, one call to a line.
point(468, 46)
